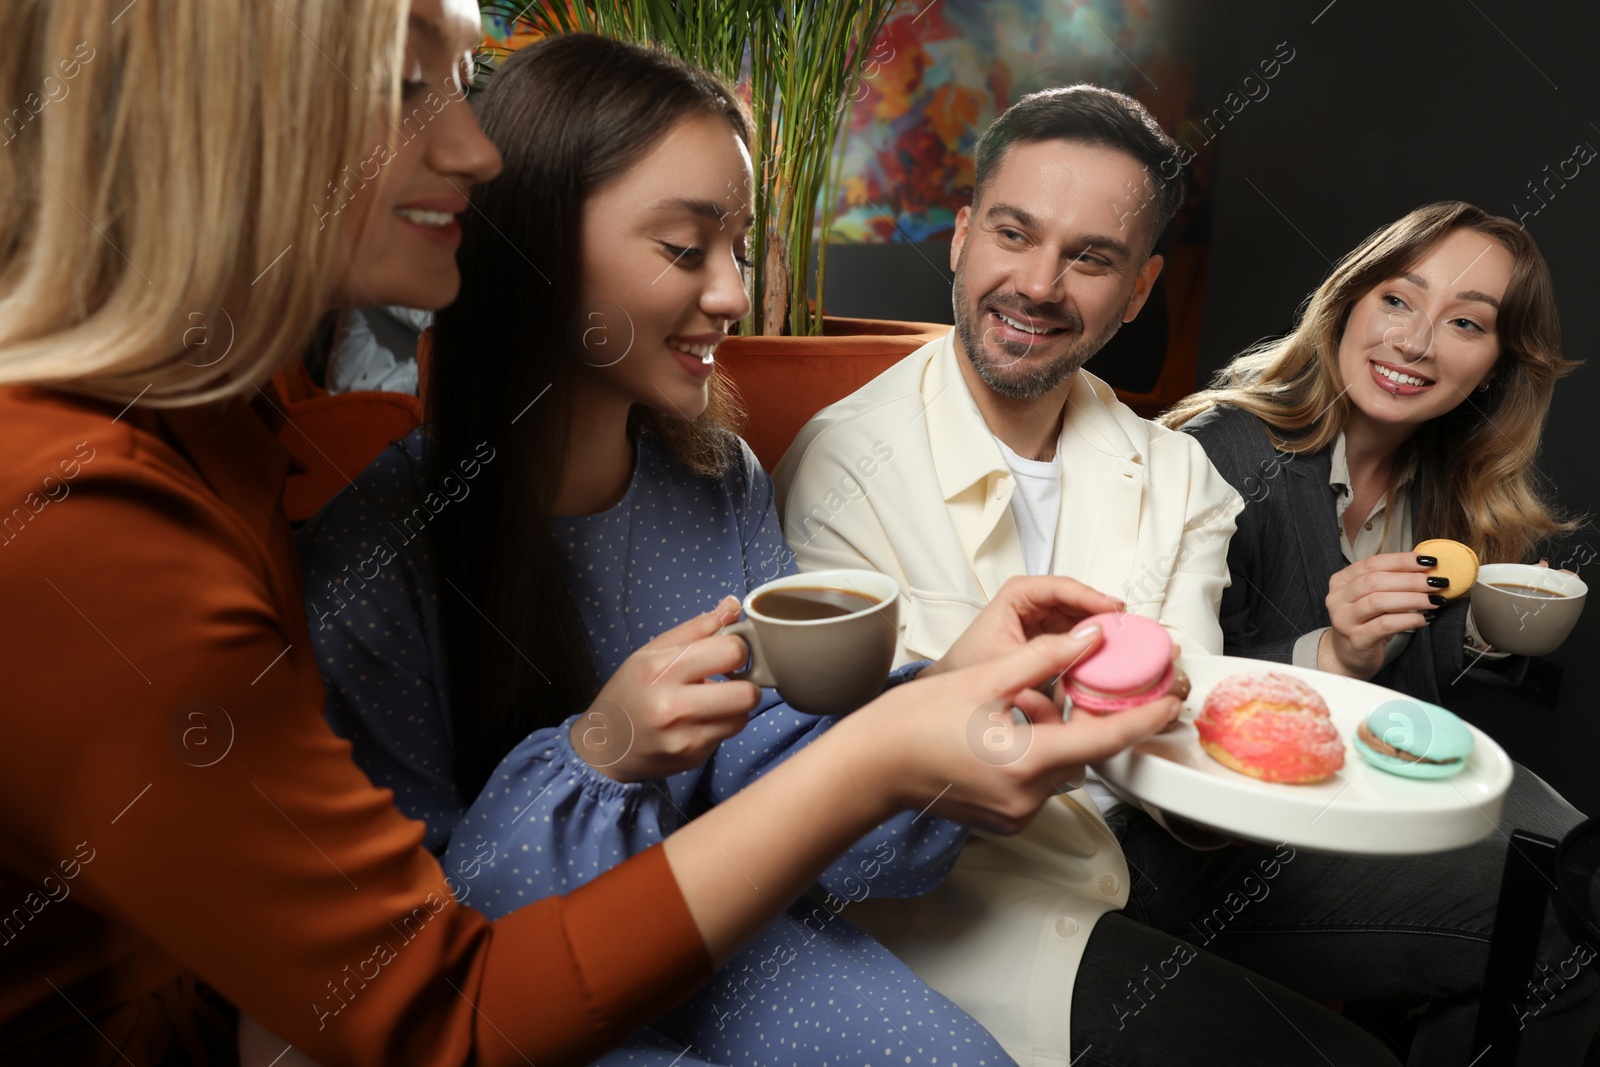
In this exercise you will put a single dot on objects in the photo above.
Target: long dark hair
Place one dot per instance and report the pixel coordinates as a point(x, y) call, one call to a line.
point(569, 114)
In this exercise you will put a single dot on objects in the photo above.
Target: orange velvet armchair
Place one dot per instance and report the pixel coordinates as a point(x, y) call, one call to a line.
point(783, 381)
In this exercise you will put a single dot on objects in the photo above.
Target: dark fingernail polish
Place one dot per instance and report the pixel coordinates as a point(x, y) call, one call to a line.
point(1429, 616)
point(1439, 583)
point(1436, 600)
point(1427, 561)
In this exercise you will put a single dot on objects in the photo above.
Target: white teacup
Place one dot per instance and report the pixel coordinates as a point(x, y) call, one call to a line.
point(822, 664)
point(1526, 610)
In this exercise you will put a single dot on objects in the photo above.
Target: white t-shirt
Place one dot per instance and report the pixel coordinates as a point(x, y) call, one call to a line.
point(1036, 507)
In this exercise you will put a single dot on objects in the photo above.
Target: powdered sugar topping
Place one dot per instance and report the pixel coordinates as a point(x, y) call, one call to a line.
point(1271, 688)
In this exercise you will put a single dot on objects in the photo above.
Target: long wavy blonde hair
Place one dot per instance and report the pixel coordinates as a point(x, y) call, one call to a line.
point(1476, 478)
point(161, 179)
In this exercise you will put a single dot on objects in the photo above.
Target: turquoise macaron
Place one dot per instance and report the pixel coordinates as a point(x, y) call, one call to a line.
point(1414, 739)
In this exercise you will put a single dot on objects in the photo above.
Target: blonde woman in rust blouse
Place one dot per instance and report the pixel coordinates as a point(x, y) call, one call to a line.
point(182, 838)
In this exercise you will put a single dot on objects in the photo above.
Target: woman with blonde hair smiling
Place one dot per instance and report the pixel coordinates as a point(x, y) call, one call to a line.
point(182, 838)
point(1407, 404)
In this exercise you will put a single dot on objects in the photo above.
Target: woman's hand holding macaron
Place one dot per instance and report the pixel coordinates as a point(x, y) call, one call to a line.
point(1372, 600)
point(947, 742)
point(1023, 609)
point(1135, 663)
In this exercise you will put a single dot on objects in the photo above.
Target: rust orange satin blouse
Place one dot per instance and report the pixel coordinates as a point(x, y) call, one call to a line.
point(176, 818)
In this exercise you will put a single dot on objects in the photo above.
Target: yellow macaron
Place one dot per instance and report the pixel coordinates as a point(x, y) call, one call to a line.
point(1457, 562)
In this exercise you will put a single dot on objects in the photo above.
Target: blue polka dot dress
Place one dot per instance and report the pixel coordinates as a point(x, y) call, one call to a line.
point(811, 989)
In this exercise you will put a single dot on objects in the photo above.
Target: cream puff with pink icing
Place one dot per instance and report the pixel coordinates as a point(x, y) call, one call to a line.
point(1270, 726)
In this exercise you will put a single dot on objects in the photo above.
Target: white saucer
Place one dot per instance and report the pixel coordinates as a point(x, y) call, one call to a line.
point(1359, 811)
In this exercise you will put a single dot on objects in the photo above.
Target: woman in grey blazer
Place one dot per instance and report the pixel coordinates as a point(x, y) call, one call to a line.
point(1407, 404)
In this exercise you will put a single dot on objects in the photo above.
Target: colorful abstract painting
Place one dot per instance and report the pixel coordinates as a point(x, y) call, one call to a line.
point(942, 70)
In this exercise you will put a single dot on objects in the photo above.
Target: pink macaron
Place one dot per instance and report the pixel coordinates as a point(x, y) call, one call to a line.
point(1132, 666)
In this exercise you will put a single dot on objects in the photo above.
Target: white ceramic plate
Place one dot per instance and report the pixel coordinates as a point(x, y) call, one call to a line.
point(1359, 811)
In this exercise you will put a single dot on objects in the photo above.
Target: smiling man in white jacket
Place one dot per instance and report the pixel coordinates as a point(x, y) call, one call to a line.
point(989, 454)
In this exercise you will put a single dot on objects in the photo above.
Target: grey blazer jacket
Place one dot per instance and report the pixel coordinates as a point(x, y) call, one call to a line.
point(1285, 549)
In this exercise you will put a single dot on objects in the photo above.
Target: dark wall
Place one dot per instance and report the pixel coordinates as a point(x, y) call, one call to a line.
point(1387, 106)
point(903, 280)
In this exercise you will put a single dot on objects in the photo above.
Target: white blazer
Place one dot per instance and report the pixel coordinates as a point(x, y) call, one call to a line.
point(904, 477)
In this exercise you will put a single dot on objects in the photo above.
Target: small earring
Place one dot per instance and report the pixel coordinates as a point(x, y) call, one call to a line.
point(1484, 388)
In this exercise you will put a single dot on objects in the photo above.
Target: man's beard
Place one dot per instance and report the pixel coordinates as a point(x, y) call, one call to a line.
point(1008, 376)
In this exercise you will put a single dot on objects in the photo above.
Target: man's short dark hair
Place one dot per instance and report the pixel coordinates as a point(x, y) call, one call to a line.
point(1090, 115)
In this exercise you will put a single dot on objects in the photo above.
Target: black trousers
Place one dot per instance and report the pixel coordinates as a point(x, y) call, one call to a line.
point(1217, 952)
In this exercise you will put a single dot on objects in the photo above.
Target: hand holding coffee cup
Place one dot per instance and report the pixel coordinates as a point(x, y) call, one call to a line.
point(661, 712)
point(1526, 610)
point(825, 640)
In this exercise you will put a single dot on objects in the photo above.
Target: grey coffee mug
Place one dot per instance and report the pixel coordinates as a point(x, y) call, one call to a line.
point(1526, 610)
point(827, 666)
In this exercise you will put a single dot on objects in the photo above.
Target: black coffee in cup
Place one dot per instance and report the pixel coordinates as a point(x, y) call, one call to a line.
point(1527, 611)
point(820, 638)
point(805, 603)
point(1529, 590)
